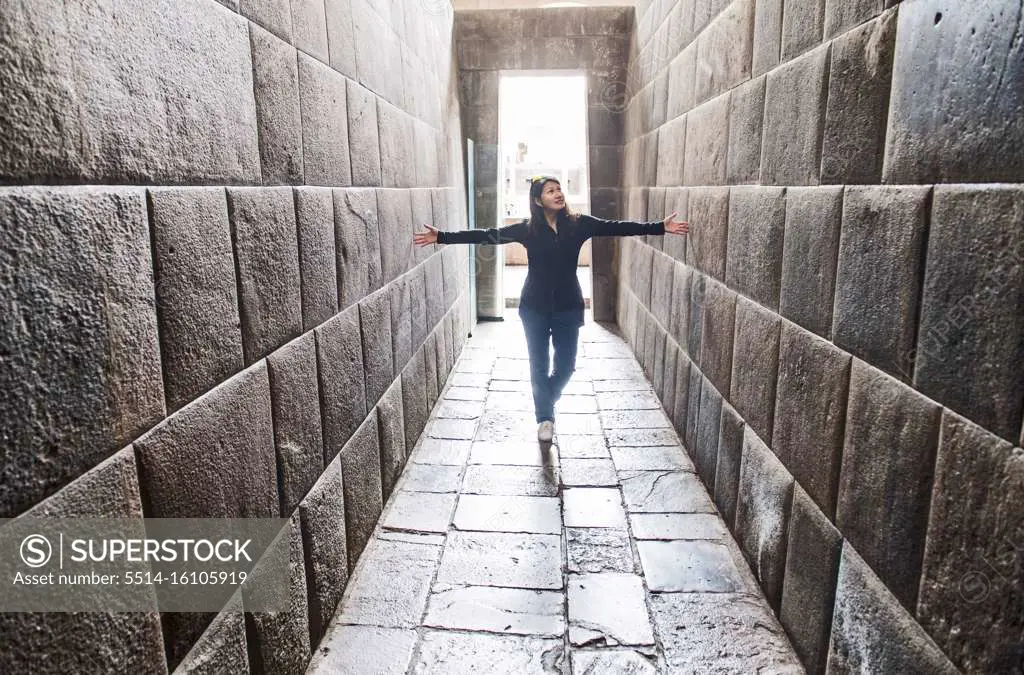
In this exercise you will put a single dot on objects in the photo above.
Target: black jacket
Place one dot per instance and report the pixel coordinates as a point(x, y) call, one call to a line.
point(551, 283)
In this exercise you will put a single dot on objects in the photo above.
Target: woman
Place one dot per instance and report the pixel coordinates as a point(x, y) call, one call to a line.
point(551, 304)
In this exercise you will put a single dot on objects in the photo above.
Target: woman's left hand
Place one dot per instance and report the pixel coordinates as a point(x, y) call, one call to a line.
point(676, 226)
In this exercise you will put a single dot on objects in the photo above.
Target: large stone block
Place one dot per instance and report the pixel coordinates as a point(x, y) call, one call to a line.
point(434, 290)
point(399, 292)
point(649, 165)
point(421, 208)
point(222, 646)
point(794, 117)
point(871, 632)
point(698, 290)
point(655, 211)
point(802, 25)
point(81, 374)
point(956, 111)
point(414, 398)
point(194, 270)
point(314, 210)
point(878, 280)
point(378, 52)
point(276, 87)
point(341, 37)
point(391, 431)
point(813, 220)
point(762, 515)
point(605, 165)
point(707, 143)
point(480, 87)
point(757, 222)
point(378, 353)
point(970, 595)
point(363, 135)
point(808, 592)
point(418, 310)
point(677, 201)
point(971, 339)
point(718, 317)
point(70, 114)
point(668, 395)
point(322, 517)
point(396, 232)
point(342, 389)
point(718, 69)
point(841, 15)
point(706, 248)
point(360, 476)
point(810, 412)
point(661, 288)
point(658, 367)
point(679, 305)
point(746, 115)
point(454, 275)
point(427, 146)
point(708, 430)
point(309, 27)
point(681, 404)
point(695, 387)
point(755, 366)
point(430, 370)
point(325, 148)
point(682, 75)
point(767, 36)
point(274, 15)
point(727, 470)
point(267, 263)
point(357, 243)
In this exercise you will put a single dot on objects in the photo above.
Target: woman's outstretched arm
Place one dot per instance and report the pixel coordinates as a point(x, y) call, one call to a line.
point(600, 227)
point(494, 235)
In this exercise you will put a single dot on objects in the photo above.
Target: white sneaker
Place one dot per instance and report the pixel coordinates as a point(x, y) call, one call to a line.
point(546, 431)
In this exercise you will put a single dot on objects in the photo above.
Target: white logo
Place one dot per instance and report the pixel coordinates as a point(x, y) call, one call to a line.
point(36, 550)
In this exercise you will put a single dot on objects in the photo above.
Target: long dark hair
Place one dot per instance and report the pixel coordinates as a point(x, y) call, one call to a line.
point(566, 217)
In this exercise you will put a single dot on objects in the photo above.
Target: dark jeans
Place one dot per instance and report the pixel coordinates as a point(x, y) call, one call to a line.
point(563, 330)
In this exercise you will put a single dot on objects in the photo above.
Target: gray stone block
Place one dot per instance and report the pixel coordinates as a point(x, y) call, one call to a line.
point(802, 24)
point(679, 305)
point(681, 405)
point(391, 431)
point(650, 342)
point(230, 4)
point(221, 648)
point(767, 36)
point(878, 280)
point(746, 114)
point(677, 200)
point(434, 290)
point(70, 117)
point(196, 294)
point(274, 15)
point(719, 70)
point(421, 208)
point(698, 289)
point(886, 480)
point(718, 317)
point(397, 135)
point(811, 246)
point(695, 383)
point(681, 78)
point(340, 37)
point(668, 396)
point(342, 389)
point(727, 470)
point(414, 398)
point(267, 262)
point(810, 412)
point(860, 75)
point(454, 275)
point(378, 353)
point(842, 15)
point(325, 147)
point(604, 126)
point(707, 143)
point(871, 632)
point(378, 52)
point(430, 366)
point(479, 87)
point(399, 292)
point(970, 343)
point(655, 211)
point(322, 517)
point(418, 311)
point(649, 166)
point(661, 287)
point(757, 222)
point(954, 116)
point(658, 379)
point(442, 215)
point(357, 244)
point(708, 429)
point(81, 375)
point(396, 232)
point(970, 598)
point(276, 86)
point(309, 27)
point(794, 119)
point(762, 515)
point(605, 165)
point(428, 146)
point(755, 366)
point(360, 476)
point(643, 268)
point(706, 247)
point(314, 210)
point(809, 590)
point(363, 135)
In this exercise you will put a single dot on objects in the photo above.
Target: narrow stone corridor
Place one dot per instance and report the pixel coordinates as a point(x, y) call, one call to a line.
point(599, 553)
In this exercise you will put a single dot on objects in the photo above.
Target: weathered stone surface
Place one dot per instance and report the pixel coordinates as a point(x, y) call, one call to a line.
point(396, 229)
point(430, 370)
point(635, 419)
point(677, 526)
point(679, 313)
point(668, 396)
point(970, 597)
point(878, 278)
point(414, 403)
point(756, 366)
point(627, 662)
point(588, 472)
point(220, 649)
point(661, 288)
point(432, 478)
point(706, 249)
point(802, 25)
point(707, 142)
point(364, 141)
point(718, 320)
point(671, 157)
point(194, 271)
point(970, 341)
point(794, 117)
point(342, 391)
point(757, 220)
point(497, 610)
point(314, 210)
point(668, 458)
point(350, 650)
point(391, 593)
point(66, 406)
point(69, 116)
point(689, 566)
point(858, 103)
point(298, 436)
point(325, 148)
point(677, 201)
point(593, 507)
point(767, 35)
point(420, 512)
point(340, 42)
point(500, 513)
point(418, 307)
point(762, 515)
point(391, 431)
point(450, 652)
point(708, 423)
point(400, 298)
point(274, 15)
point(718, 69)
point(360, 477)
point(813, 220)
point(581, 446)
point(357, 244)
point(608, 609)
point(955, 116)
point(871, 632)
point(309, 27)
point(681, 79)
point(502, 559)
point(421, 209)
point(598, 549)
point(841, 15)
point(664, 492)
point(692, 409)
point(276, 87)
point(810, 412)
point(397, 135)
point(746, 112)
point(267, 263)
point(511, 480)
point(727, 471)
point(809, 589)
point(322, 518)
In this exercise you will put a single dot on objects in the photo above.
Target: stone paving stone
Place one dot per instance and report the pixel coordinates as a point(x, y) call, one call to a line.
point(509, 401)
point(576, 424)
point(635, 419)
point(609, 609)
point(588, 472)
point(420, 511)
point(573, 404)
point(581, 447)
point(502, 513)
point(727, 472)
point(497, 610)
point(356, 650)
point(442, 451)
point(535, 481)
point(445, 652)
point(451, 429)
point(502, 559)
point(431, 478)
point(689, 566)
point(677, 526)
point(641, 437)
point(668, 458)
point(322, 518)
point(459, 393)
point(460, 410)
point(625, 662)
point(665, 492)
point(513, 452)
point(425, 538)
point(391, 589)
point(360, 477)
point(725, 632)
point(621, 385)
point(598, 549)
point(278, 122)
point(593, 507)
point(501, 426)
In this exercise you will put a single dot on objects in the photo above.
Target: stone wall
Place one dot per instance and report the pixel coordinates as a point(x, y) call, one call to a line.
point(840, 339)
point(211, 302)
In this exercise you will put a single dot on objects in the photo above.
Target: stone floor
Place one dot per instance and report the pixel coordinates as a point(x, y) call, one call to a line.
point(600, 553)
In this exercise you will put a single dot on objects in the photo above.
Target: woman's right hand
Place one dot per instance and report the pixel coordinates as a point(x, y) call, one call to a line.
point(425, 238)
